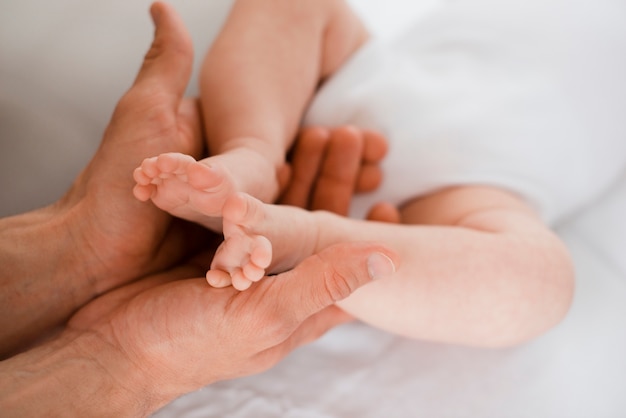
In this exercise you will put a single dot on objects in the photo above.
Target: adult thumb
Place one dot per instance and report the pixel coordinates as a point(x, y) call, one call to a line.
point(330, 276)
point(168, 63)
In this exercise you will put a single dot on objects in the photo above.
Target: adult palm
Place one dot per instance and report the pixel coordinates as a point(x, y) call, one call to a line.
point(178, 334)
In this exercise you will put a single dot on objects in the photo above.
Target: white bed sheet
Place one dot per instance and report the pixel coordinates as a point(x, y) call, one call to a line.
point(62, 66)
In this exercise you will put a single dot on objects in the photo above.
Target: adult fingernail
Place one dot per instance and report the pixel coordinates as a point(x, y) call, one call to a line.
point(380, 266)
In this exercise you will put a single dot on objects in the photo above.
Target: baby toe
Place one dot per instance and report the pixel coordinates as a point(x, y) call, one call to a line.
point(218, 278)
point(253, 273)
point(240, 282)
point(261, 254)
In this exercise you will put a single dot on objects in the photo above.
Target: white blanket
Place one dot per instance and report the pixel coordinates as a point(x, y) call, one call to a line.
point(505, 93)
point(63, 64)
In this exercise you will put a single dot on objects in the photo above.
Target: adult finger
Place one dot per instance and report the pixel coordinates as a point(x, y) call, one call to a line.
point(384, 212)
point(369, 178)
point(328, 277)
point(306, 158)
point(168, 63)
point(375, 147)
point(338, 174)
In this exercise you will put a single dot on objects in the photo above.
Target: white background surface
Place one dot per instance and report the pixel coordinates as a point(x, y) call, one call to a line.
point(64, 64)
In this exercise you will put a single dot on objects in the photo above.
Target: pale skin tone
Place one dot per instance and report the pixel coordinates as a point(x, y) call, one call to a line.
point(479, 267)
point(143, 327)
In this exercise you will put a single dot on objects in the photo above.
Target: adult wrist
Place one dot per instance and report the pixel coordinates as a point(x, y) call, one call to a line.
point(41, 281)
point(77, 374)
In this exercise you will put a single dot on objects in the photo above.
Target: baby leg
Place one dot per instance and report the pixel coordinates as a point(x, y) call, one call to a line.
point(261, 238)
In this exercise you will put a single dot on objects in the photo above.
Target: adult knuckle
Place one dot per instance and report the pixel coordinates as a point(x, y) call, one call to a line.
point(338, 284)
point(168, 44)
point(155, 50)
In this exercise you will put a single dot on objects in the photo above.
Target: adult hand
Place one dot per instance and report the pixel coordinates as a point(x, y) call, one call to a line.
point(137, 348)
point(328, 166)
point(98, 235)
point(131, 238)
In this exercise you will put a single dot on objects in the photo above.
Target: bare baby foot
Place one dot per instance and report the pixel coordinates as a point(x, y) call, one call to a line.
point(260, 238)
point(185, 188)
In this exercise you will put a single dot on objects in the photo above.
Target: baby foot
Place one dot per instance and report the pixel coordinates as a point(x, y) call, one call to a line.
point(185, 188)
point(260, 238)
